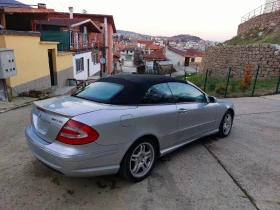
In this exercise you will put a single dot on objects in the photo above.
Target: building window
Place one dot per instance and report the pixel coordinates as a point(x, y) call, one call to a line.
point(85, 39)
point(193, 59)
point(83, 30)
point(72, 38)
point(79, 65)
point(128, 57)
point(94, 58)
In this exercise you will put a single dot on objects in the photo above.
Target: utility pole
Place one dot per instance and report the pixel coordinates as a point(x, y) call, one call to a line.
point(105, 45)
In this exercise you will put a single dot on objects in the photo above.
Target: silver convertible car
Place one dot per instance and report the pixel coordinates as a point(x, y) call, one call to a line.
point(123, 124)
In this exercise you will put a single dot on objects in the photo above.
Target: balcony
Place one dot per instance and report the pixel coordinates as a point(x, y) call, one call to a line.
point(82, 46)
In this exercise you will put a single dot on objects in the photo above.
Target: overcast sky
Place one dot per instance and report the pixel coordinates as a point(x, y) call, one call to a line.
point(215, 20)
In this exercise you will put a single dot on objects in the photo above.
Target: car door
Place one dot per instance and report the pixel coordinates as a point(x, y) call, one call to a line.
point(195, 115)
point(157, 115)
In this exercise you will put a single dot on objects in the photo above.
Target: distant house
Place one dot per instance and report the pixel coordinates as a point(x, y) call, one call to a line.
point(142, 43)
point(152, 57)
point(127, 57)
point(183, 57)
point(152, 47)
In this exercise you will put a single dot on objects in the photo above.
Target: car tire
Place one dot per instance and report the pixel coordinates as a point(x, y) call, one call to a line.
point(139, 160)
point(226, 124)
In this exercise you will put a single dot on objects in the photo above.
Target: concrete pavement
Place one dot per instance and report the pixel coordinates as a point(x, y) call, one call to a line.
point(238, 172)
point(16, 103)
point(128, 70)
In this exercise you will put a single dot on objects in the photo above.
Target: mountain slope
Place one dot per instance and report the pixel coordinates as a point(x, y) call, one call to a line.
point(256, 36)
point(181, 37)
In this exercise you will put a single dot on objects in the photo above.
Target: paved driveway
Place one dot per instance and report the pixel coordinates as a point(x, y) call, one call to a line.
point(239, 172)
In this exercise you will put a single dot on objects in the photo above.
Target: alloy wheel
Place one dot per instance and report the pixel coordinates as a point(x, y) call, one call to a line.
point(227, 124)
point(142, 160)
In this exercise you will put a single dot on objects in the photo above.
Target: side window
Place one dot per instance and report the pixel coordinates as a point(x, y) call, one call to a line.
point(186, 93)
point(158, 94)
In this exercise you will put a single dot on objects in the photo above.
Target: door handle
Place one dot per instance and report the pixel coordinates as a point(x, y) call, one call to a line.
point(182, 111)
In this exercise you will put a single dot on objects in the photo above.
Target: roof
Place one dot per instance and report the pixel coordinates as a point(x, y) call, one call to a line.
point(93, 17)
point(117, 53)
point(187, 53)
point(119, 46)
point(135, 86)
point(155, 55)
point(145, 41)
point(153, 47)
point(66, 22)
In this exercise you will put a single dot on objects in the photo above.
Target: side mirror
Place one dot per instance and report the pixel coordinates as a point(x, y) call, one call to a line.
point(212, 99)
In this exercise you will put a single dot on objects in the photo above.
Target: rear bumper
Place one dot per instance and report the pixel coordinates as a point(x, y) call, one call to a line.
point(103, 161)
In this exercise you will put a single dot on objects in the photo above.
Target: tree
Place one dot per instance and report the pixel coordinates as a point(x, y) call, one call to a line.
point(138, 57)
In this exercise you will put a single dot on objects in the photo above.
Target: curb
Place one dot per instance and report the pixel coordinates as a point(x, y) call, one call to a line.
point(17, 107)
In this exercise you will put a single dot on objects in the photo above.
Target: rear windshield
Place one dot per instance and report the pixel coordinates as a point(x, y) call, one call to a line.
point(100, 91)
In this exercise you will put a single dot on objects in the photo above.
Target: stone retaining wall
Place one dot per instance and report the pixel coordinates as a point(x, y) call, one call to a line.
point(262, 21)
point(219, 59)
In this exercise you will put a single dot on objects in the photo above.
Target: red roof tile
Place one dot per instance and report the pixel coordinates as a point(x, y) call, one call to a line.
point(153, 47)
point(187, 53)
point(145, 41)
point(155, 55)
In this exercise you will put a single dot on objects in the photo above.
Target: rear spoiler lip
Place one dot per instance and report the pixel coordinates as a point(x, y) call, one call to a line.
point(63, 114)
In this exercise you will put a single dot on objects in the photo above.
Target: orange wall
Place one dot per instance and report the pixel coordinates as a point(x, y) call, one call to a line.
point(110, 49)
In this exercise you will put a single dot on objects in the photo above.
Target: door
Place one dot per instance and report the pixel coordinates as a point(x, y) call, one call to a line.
point(88, 67)
point(159, 112)
point(195, 115)
point(187, 61)
point(52, 73)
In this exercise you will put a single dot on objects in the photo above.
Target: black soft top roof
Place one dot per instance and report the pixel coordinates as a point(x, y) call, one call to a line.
point(135, 87)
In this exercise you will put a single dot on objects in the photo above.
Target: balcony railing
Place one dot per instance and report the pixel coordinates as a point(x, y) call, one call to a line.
point(81, 46)
point(266, 8)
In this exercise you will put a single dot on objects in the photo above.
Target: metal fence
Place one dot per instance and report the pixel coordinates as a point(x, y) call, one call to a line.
point(228, 86)
point(266, 8)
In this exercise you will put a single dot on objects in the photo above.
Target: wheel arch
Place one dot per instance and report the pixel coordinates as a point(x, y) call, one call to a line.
point(146, 136)
point(232, 111)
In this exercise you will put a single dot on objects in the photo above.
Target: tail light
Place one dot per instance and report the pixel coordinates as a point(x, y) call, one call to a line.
point(76, 133)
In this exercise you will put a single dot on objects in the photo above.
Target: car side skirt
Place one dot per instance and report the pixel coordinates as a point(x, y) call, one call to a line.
point(181, 144)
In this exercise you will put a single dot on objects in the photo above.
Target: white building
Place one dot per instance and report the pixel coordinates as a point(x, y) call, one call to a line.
point(271, 5)
point(183, 57)
point(85, 65)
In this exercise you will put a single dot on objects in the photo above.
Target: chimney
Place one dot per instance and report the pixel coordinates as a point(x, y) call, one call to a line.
point(42, 6)
point(71, 10)
point(149, 51)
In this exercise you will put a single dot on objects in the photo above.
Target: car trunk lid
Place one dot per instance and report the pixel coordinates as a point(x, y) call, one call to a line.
point(49, 116)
